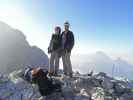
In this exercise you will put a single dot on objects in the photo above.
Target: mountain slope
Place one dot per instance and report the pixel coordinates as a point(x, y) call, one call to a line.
point(15, 51)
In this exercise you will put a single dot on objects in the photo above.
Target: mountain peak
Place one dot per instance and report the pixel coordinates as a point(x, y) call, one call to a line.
point(16, 52)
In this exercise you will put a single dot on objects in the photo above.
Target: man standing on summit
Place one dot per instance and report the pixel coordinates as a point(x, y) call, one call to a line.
point(67, 45)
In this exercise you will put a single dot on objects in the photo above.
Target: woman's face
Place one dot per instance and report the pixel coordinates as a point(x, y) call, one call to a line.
point(57, 30)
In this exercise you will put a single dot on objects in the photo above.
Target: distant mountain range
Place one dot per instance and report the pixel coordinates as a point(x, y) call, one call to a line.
point(15, 51)
point(101, 62)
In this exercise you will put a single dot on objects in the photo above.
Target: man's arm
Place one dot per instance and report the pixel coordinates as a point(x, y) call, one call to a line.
point(71, 42)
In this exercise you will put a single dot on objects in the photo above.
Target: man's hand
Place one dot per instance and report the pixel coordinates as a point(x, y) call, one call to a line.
point(68, 50)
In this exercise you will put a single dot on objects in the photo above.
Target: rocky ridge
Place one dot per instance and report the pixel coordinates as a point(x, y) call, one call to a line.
point(80, 87)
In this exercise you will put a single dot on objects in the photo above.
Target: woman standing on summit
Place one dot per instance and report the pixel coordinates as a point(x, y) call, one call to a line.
point(54, 49)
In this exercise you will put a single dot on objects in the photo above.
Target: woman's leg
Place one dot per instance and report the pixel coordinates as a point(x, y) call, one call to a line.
point(51, 62)
point(56, 63)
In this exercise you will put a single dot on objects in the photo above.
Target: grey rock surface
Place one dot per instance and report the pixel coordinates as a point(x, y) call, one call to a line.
point(13, 87)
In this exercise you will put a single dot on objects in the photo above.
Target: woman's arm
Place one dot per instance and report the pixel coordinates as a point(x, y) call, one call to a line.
point(50, 48)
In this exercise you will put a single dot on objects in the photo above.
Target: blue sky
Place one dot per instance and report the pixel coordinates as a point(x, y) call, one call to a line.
point(98, 25)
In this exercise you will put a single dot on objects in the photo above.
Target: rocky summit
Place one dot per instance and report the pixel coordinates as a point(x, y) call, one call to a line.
point(80, 87)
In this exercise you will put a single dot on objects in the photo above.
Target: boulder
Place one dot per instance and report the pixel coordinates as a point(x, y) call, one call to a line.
point(126, 97)
point(98, 94)
point(107, 84)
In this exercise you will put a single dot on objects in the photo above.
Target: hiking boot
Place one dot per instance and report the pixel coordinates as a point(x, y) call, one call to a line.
point(55, 74)
point(70, 75)
point(50, 74)
point(42, 98)
point(65, 73)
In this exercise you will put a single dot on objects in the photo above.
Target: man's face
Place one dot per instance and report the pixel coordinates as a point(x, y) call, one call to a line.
point(66, 27)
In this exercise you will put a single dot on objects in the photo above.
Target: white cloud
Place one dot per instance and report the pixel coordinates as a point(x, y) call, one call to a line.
point(100, 62)
point(15, 16)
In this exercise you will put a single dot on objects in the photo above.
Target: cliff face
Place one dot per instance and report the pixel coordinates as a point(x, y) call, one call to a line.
point(15, 51)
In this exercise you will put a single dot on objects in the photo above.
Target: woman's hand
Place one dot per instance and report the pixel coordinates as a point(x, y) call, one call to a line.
point(49, 50)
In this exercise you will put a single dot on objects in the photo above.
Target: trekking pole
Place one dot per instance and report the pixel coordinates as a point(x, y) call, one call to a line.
point(113, 70)
point(21, 96)
point(119, 59)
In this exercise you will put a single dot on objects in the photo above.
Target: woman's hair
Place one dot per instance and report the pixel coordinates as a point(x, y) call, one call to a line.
point(58, 28)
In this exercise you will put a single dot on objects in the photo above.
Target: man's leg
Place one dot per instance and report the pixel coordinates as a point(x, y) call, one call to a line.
point(64, 63)
point(69, 65)
point(51, 62)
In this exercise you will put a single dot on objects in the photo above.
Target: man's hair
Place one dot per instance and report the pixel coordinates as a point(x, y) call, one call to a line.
point(67, 23)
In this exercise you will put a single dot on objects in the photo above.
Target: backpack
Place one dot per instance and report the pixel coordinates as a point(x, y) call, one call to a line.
point(27, 74)
point(45, 84)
